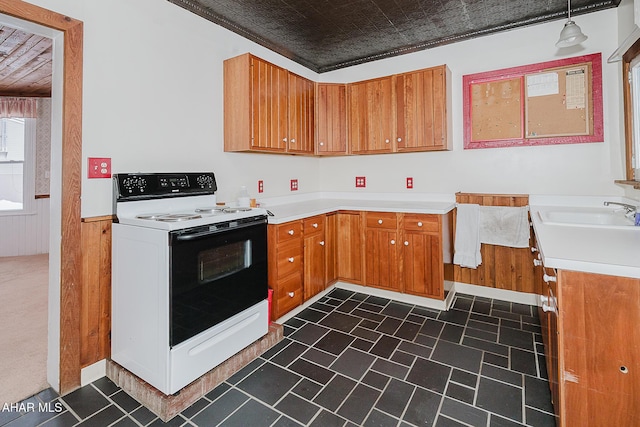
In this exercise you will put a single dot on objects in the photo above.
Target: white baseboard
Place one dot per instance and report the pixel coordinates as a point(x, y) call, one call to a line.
point(500, 294)
point(93, 372)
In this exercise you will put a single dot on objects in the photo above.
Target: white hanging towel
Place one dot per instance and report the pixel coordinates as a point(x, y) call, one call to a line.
point(504, 226)
point(467, 240)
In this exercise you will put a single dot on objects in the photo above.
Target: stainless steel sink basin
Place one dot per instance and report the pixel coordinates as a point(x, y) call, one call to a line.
point(587, 217)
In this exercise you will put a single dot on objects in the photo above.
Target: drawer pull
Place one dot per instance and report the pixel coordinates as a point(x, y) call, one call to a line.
point(393, 242)
point(419, 223)
point(624, 369)
point(537, 262)
point(291, 259)
point(291, 232)
point(548, 278)
point(534, 249)
point(322, 243)
point(315, 225)
point(291, 294)
point(406, 243)
point(379, 221)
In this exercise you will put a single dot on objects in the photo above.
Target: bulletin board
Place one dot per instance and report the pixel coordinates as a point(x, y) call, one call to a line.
point(555, 102)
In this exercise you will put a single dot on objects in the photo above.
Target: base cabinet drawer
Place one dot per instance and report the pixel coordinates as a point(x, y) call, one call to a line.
point(287, 295)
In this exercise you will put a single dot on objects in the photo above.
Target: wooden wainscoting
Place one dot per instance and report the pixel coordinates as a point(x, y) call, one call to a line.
point(95, 308)
point(502, 267)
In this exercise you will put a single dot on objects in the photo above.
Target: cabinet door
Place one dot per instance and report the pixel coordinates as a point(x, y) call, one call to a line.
point(331, 237)
point(372, 116)
point(269, 89)
point(381, 259)
point(314, 264)
point(331, 119)
point(421, 110)
point(301, 115)
point(349, 246)
point(423, 271)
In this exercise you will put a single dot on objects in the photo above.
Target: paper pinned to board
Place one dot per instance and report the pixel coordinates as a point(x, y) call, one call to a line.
point(541, 84)
point(576, 89)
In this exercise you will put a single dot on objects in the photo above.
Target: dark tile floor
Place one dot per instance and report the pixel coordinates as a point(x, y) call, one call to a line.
point(356, 360)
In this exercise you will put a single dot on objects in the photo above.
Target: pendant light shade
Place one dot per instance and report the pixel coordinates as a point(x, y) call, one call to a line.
point(571, 34)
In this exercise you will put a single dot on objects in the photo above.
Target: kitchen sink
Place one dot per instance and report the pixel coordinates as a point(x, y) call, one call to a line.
point(587, 217)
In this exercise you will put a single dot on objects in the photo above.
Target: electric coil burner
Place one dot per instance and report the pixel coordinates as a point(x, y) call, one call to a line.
point(189, 279)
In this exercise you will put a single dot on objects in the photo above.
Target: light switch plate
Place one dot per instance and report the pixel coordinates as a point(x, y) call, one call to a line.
point(99, 167)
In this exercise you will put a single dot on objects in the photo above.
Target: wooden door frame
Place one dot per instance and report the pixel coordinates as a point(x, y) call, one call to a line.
point(70, 249)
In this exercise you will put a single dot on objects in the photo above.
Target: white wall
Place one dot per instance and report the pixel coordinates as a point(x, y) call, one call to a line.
point(564, 169)
point(149, 64)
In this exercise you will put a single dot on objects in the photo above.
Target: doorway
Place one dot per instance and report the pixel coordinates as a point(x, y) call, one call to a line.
point(63, 365)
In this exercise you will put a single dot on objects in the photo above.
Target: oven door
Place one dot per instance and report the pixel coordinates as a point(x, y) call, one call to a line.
point(216, 272)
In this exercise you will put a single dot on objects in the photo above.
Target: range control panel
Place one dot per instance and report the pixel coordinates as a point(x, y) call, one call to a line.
point(130, 186)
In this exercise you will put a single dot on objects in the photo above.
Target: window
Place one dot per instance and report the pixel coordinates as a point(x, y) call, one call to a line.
point(16, 165)
point(631, 79)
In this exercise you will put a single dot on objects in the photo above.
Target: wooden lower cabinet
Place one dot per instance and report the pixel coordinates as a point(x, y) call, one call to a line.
point(593, 348)
point(381, 253)
point(286, 264)
point(315, 258)
point(349, 247)
point(422, 255)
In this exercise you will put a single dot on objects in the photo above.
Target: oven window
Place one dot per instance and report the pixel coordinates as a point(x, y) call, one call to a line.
point(216, 263)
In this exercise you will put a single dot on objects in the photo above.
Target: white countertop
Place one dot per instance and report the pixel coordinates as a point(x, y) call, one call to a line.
point(609, 251)
point(292, 209)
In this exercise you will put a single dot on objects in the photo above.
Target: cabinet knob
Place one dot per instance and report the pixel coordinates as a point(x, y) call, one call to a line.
point(548, 278)
point(537, 262)
point(315, 225)
point(291, 259)
point(393, 242)
point(406, 243)
point(293, 141)
point(291, 232)
point(534, 249)
point(284, 139)
point(399, 139)
point(387, 141)
point(419, 223)
point(322, 144)
point(379, 221)
point(322, 243)
point(291, 294)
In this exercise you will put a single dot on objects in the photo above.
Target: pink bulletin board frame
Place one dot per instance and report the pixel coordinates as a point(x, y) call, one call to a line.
point(597, 135)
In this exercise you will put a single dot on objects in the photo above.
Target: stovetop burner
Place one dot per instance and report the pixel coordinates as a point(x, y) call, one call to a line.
point(151, 216)
point(234, 210)
point(210, 210)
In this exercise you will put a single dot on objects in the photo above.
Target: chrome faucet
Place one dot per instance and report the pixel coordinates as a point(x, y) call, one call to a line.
point(628, 208)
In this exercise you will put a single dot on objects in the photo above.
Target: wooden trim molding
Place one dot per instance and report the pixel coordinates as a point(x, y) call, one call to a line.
point(71, 256)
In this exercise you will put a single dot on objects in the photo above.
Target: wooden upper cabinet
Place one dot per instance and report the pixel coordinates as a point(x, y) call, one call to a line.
point(301, 129)
point(421, 110)
point(372, 116)
point(266, 108)
point(331, 119)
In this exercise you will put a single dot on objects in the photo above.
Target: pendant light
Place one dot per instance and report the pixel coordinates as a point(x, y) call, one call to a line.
point(571, 34)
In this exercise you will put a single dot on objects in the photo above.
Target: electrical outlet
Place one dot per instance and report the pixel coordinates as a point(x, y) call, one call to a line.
point(260, 186)
point(361, 181)
point(99, 167)
point(294, 185)
point(409, 182)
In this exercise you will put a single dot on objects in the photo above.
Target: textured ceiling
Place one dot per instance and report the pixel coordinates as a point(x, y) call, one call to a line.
point(324, 35)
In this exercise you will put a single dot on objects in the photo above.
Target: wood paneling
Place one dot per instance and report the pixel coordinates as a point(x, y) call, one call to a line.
point(71, 267)
point(25, 63)
point(95, 311)
point(502, 267)
point(26, 234)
